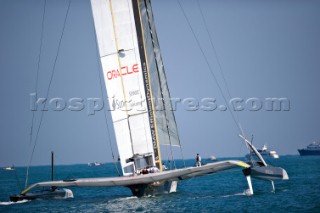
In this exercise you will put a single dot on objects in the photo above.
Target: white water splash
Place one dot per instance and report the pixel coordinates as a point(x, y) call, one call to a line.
point(237, 194)
point(11, 203)
point(125, 198)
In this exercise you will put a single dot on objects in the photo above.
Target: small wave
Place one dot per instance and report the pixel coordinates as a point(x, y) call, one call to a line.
point(11, 203)
point(237, 194)
point(125, 198)
point(147, 196)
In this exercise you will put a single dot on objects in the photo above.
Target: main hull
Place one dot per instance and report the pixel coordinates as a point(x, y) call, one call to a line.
point(155, 188)
point(304, 152)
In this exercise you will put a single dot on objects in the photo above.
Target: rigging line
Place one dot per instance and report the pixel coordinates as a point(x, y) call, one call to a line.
point(208, 64)
point(218, 60)
point(174, 162)
point(101, 90)
point(105, 116)
point(38, 68)
point(220, 67)
point(250, 153)
point(182, 155)
point(49, 86)
point(221, 71)
point(167, 164)
point(213, 48)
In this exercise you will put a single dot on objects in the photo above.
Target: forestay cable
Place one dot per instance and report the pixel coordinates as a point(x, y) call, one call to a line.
point(217, 59)
point(36, 84)
point(48, 90)
point(38, 67)
point(209, 66)
point(220, 68)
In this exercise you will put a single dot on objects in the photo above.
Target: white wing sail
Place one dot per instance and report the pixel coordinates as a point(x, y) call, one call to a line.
point(125, 83)
point(135, 81)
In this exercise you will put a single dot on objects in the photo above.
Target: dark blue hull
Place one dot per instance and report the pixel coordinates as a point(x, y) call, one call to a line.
point(304, 152)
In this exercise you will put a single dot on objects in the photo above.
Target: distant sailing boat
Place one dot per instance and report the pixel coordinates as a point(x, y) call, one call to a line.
point(140, 101)
point(95, 164)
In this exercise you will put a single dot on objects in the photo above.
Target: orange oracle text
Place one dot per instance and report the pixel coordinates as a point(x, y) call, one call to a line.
point(125, 70)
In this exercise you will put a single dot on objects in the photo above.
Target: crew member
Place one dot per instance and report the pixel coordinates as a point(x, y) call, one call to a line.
point(198, 160)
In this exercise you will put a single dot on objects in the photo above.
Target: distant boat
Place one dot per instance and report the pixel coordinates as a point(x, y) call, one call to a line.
point(9, 168)
point(95, 164)
point(312, 149)
point(212, 157)
point(265, 153)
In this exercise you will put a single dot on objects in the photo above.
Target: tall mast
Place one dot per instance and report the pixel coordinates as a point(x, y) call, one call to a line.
point(147, 82)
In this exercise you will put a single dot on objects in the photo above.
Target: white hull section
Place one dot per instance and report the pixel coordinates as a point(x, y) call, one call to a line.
point(173, 187)
point(164, 181)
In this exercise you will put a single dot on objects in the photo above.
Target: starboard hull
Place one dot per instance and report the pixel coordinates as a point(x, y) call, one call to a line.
point(266, 173)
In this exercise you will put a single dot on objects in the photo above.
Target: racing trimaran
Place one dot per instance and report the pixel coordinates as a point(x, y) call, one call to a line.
point(139, 97)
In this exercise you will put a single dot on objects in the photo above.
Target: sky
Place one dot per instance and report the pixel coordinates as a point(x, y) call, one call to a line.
point(267, 49)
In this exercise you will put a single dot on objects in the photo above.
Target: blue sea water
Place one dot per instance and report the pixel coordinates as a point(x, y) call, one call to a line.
point(220, 192)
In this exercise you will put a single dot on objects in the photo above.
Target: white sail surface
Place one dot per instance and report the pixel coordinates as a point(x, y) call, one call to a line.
point(127, 85)
point(117, 42)
point(136, 83)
